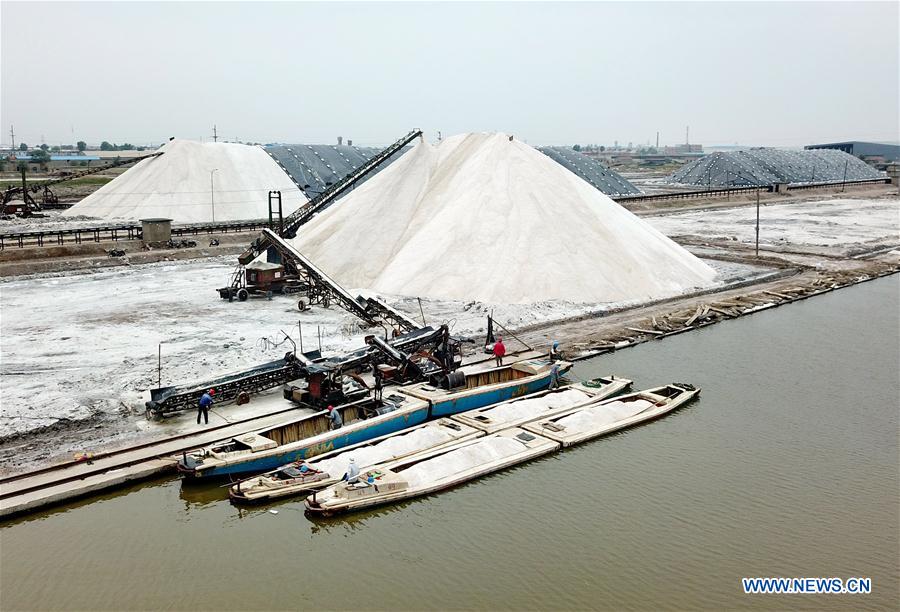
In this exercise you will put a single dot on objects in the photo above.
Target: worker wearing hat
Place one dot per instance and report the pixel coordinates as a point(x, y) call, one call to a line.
point(499, 351)
point(206, 401)
point(352, 473)
point(554, 352)
point(335, 416)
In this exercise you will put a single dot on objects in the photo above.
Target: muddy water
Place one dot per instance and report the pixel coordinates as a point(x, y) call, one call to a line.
point(786, 466)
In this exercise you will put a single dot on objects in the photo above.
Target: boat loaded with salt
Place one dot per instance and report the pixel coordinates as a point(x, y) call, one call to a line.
point(325, 470)
point(432, 471)
point(308, 436)
point(303, 477)
point(542, 404)
point(479, 389)
point(598, 419)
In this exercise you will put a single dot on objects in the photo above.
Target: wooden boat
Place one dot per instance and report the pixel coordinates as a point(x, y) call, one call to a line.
point(327, 469)
point(431, 471)
point(516, 412)
point(365, 419)
point(478, 389)
point(305, 437)
point(600, 418)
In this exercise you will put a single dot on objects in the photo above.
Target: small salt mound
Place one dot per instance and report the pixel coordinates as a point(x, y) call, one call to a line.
point(485, 217)
point(534, 407)
point(193, 182)
point(454, 462)
point(386, 450)
point(598, 416)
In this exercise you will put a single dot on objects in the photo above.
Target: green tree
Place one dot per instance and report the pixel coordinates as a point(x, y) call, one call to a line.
point(55, 149)
point(40, 156)
point(82, 146)
point(23, 146)
point(44, 147)
point(105, 146)
point(577, 147)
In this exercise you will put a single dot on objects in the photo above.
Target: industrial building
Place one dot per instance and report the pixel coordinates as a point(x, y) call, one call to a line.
point(875, 151)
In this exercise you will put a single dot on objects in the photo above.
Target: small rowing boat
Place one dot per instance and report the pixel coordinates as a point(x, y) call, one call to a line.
point(600, 418)
point(432, 471)
point(542, 404)
point(326, 470)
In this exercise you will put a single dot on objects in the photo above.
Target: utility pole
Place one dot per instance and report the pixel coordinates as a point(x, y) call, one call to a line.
point(657, 141)
point(844, 184)
point(212, 193)
point(12, 138)
point(687, 135)
point(215, 134)
point(757, 221)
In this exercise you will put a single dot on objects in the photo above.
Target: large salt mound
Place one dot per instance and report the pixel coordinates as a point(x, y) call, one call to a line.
point(176, 185)
point(483, 217)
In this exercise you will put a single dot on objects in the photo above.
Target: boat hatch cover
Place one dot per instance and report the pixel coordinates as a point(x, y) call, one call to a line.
point(525, 437)
point(257, 442)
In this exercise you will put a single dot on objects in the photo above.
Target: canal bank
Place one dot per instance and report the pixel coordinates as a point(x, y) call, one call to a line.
point(786, 466)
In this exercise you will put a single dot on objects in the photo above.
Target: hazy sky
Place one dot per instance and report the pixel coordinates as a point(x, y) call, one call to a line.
point(781, 74)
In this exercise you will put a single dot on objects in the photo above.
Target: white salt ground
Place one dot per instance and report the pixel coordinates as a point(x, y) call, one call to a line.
point(483, 217)
point(533, 407)
point(194, 182)
point(460, 460)
point(386, 450)
point(834, 222)
point(598, 416)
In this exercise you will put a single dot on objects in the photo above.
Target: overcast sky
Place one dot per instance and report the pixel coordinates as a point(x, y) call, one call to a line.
point(751, 73)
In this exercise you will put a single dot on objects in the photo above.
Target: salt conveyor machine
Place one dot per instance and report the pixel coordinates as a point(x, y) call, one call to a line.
point(301, 275)
point(288, 271)
point(29, 205)
point(424, 353)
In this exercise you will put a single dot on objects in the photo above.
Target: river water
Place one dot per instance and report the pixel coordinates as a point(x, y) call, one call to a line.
point(787, 465)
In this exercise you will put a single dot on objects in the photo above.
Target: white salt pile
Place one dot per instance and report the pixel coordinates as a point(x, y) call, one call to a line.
point(486, 217)
point(598, 416)
point(386, 450)
point(454, 462)
point(195, 182)
point(534, 407)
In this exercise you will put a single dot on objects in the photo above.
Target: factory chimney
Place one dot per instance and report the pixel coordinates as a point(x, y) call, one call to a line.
point(340, 140)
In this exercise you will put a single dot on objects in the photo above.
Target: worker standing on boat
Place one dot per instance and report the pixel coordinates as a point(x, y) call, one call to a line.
point(499, 351)
point(335, 415)
point(352, 474)
point(554, 376)
point(206, 401)
point(554, 352)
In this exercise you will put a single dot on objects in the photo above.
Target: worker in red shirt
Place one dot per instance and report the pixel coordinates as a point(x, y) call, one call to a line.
point(499, 351)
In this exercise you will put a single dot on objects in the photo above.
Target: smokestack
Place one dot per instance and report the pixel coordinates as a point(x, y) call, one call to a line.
point(340, 140)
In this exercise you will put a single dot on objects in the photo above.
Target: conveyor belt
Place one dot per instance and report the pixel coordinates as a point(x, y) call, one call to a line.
point(370, 310)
